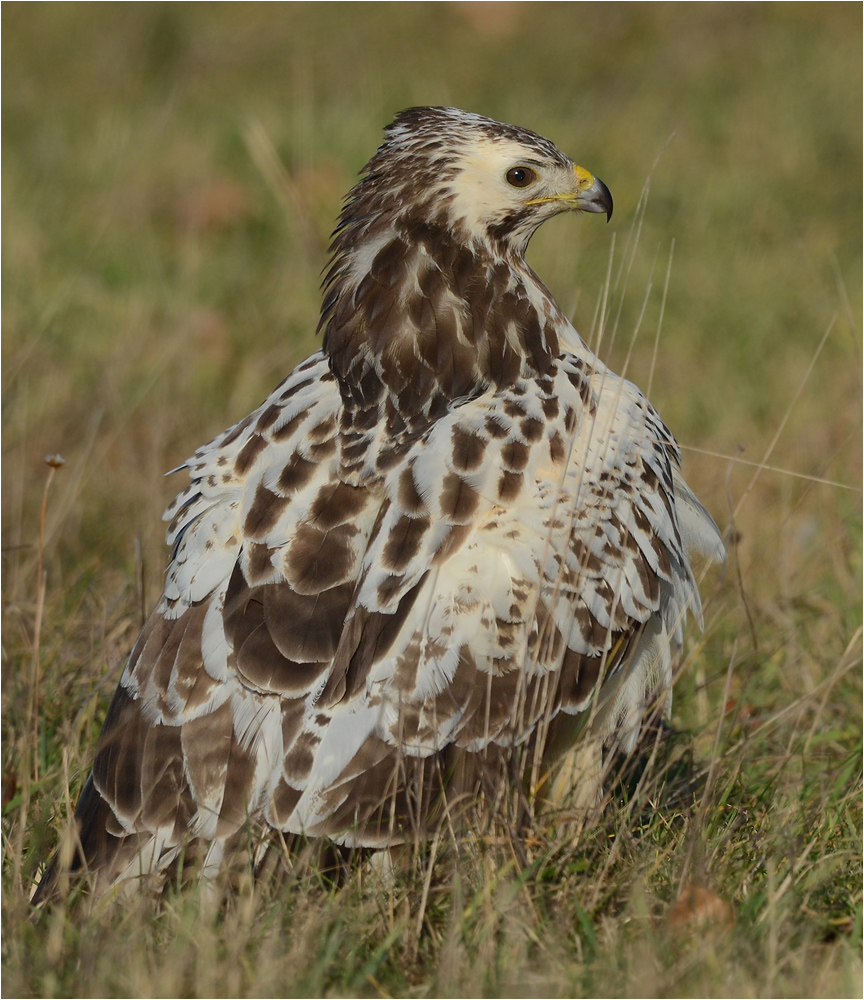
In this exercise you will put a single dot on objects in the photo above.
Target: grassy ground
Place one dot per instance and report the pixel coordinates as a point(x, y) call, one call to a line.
point(171, 174)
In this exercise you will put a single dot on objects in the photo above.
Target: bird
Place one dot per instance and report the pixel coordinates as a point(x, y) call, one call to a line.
point(448, 556)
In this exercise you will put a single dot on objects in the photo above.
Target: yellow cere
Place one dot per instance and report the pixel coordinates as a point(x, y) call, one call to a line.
point(584, 179)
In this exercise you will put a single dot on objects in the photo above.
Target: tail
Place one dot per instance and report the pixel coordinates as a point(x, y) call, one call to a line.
point(108, 833)
point(137, 813)
point(88, 849)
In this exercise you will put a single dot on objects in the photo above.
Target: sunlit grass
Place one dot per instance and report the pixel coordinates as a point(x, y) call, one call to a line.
point(171, 175)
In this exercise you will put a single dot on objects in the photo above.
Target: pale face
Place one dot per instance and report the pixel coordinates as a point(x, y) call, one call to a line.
point(503, 190)
point(487, 183)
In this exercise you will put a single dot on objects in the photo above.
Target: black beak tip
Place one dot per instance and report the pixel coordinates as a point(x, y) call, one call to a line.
point(605, 198)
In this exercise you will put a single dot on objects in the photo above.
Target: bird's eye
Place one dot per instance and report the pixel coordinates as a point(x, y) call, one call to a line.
point(521, 177)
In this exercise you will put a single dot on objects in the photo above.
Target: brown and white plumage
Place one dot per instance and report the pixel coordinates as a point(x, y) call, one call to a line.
point(410, 574)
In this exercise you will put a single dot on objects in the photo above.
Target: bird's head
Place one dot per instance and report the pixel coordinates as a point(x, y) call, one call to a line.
point(427, 298)
point(478, 179)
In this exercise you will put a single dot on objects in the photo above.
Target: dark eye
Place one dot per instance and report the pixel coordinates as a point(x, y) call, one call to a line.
point(521, 177)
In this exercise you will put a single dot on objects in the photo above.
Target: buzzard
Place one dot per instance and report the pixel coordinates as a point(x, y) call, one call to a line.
point(449, 552)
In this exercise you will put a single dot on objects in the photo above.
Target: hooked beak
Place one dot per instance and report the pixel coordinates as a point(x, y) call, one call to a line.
point(589, 195)
point(592, 195)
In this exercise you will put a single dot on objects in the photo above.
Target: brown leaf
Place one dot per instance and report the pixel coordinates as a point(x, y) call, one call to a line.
point(698, 908)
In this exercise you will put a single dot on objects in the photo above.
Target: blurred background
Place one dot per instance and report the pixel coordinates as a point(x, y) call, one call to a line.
point(171, 175)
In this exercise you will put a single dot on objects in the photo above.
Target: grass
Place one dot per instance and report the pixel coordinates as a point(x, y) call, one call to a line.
point(171, 176)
